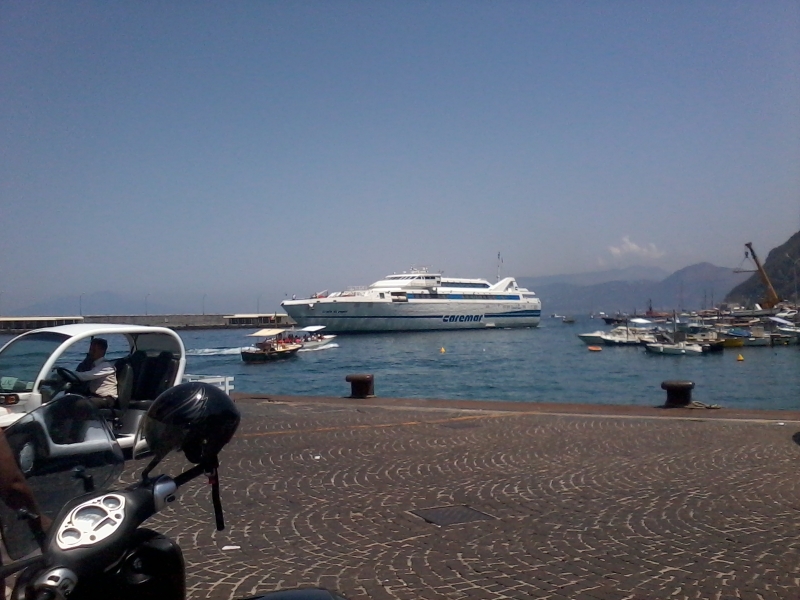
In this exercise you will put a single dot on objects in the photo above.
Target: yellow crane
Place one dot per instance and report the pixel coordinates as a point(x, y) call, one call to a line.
point(772, 297)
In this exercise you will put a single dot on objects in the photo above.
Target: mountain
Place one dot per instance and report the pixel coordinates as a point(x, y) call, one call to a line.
point(95, 303)
point(783, 269)
point(694, 287)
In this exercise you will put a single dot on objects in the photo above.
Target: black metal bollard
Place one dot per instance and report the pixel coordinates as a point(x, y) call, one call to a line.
point(361, 386)
point(679, 393)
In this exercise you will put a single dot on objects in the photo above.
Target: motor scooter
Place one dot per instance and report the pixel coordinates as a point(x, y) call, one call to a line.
point(96, 546)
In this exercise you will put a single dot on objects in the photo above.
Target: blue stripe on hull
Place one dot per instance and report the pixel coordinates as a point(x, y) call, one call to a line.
point(343, 323)
point(527, 313)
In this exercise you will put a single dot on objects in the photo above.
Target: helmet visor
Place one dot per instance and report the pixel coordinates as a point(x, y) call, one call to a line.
point(157, 437)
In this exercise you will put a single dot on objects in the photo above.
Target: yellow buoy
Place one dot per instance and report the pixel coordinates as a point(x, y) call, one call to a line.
point(442, 350)
point(740, 358)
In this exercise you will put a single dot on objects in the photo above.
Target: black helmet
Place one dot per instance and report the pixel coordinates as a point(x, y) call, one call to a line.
point(195, 417)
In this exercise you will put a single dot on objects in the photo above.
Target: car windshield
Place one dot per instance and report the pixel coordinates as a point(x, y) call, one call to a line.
point(23, 358)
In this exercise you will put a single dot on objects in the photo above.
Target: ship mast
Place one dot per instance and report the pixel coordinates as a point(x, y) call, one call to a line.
point(499, 264)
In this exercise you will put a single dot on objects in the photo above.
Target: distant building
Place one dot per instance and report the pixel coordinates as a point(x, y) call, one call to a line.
point(257, 320)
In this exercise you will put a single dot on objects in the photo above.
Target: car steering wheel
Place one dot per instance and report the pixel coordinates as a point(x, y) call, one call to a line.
point(68, 376)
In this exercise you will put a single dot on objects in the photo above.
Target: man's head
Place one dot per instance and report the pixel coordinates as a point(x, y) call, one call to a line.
point(98, 347)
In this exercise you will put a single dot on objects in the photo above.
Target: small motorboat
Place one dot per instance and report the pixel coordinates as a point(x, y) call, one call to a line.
point(313, 338)
point(275, 345)
point(679, 348)
point(594, 338)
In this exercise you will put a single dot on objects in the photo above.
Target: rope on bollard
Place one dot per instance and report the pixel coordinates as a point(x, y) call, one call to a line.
point(696, 404)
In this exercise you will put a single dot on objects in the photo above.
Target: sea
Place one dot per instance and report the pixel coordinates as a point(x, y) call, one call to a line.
point(548, 363)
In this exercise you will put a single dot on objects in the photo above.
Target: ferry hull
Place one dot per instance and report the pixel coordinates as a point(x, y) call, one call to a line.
point(366, 316)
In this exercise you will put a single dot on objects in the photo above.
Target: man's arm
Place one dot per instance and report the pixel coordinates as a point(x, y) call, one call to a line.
point(85, 365)
point(102, 369)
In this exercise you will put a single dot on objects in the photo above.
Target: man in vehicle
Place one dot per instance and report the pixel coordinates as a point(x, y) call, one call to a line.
point(99, 374)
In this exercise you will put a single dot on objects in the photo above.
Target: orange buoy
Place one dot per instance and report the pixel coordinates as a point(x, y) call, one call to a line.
point(595, 348)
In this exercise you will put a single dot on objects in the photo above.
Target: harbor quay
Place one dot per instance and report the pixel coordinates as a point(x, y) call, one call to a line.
point(17, 325)
point(419, 499)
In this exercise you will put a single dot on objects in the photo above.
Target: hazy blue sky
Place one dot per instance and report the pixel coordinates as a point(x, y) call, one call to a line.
point(246, 149)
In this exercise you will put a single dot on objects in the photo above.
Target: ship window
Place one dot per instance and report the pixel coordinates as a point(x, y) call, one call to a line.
point(383, 295)
point(459, 284)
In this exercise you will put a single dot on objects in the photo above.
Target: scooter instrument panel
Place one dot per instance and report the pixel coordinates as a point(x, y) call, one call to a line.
point(91, 522)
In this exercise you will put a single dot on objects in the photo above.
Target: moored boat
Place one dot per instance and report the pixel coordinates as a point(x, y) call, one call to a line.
point(628, 338)
point(636, 331)
point(788, 333)
point(594, 338)
point(678, 348)
point(621, 336)
point(761, 340)
point(732, 342)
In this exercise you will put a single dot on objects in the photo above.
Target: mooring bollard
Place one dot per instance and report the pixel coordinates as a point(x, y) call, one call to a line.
point(679, 393)
point(361, 386)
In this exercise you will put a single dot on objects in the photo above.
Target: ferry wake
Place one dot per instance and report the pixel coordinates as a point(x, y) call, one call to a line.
point(420, 301)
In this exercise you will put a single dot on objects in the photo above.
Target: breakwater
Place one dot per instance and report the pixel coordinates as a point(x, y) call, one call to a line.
point(15, 325)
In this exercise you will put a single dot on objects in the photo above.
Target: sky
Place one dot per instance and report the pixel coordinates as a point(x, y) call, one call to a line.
point(236, 153)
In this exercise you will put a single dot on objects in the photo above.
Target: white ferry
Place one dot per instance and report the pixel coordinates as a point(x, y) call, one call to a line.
point(418, 301)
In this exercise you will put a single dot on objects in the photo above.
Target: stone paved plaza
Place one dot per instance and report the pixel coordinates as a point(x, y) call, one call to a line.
point(566, 502)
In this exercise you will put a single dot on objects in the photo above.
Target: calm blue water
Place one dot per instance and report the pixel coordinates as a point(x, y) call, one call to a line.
point(547, 364)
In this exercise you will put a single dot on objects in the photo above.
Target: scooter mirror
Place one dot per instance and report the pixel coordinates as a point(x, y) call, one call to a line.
point(63, 448)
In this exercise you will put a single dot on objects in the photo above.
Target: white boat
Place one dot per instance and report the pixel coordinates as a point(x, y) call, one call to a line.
point(619, 336)
point(679, 348)
point(418, 301)
point(313, 338)
point(594, 338)
point(628, 337)
point(788, 332)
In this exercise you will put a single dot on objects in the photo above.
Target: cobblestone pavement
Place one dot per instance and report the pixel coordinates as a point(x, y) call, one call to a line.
point(623, 505)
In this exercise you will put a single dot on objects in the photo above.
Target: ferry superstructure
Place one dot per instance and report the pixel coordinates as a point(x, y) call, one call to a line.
point(420, 301)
